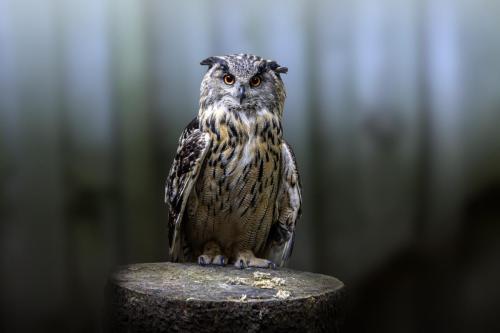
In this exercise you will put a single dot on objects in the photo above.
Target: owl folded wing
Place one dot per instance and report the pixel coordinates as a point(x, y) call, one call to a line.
point(193, 146)
point(282, 235)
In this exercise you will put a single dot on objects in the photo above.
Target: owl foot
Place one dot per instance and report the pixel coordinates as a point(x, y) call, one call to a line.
point(246, 258)
point(205, 259)
point(212, 255)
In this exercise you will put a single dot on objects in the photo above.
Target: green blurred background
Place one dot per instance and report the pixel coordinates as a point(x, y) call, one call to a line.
point(393, 111)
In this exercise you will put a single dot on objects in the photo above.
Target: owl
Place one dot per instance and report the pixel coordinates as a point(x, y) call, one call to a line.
point(233, 190)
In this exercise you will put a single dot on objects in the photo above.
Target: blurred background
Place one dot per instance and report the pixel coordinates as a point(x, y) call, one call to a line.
point(393, 111)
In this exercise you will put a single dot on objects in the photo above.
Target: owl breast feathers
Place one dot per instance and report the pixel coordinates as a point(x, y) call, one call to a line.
point(233, 189)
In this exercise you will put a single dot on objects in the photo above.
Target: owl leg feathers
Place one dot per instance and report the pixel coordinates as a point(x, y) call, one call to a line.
point(212, 254)
point(246, 258)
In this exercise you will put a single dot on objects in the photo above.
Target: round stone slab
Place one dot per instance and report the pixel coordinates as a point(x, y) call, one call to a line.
point(173, 297)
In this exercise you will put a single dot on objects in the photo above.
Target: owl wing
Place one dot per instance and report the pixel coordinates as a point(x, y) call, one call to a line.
point(193, 146)
point(289, 202)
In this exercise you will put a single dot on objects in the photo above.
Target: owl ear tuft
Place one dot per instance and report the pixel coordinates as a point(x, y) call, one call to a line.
point(282, 70)
point(211, 61)
point(208, 61)
point(273, 65)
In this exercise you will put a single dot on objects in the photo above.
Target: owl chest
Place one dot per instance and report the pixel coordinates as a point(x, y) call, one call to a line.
point(235, 195)
point(238, 176)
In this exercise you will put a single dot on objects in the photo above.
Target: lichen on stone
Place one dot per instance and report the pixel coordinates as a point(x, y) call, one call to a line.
point(264, 280)
point(237, 281)
point(282, 294)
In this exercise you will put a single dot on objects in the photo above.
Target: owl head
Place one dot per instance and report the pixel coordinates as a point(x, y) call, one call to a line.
point(242, 83)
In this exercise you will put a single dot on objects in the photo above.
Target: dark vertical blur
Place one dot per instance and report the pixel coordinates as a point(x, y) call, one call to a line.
point(393, 110)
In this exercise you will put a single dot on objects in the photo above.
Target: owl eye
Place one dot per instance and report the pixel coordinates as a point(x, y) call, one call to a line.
point(255, 81)
point(229, 79)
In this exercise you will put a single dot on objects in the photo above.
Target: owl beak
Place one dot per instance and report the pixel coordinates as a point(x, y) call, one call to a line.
point(241, 93)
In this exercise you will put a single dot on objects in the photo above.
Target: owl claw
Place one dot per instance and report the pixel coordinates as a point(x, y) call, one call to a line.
point(246, 258)
point(202, 261)
point(220, 260)
point(212, 254)
point(223, 261)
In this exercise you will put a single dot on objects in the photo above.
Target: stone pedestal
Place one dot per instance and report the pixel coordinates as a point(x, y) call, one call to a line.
point(171, 297)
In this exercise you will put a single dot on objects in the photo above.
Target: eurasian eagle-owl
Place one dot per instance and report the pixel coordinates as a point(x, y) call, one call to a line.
point(233, 189)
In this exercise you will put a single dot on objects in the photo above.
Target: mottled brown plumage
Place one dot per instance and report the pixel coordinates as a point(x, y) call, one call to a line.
point(234, 189)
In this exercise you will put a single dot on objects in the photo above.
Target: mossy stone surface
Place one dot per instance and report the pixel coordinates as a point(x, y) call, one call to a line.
point(173, 297)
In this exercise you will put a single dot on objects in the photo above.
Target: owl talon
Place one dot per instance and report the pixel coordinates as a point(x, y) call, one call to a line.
point(223, 261)
point(220, 260)
point(204, 260)
point(246, 258)
point(201, 261)
point(212, 254)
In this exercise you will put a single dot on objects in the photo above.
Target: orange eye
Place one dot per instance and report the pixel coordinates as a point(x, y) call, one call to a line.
point(255, 81)
point(229, 79)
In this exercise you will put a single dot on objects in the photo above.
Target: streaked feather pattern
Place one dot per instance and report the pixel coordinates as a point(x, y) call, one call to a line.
point(234, 182)
point(193, 146)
